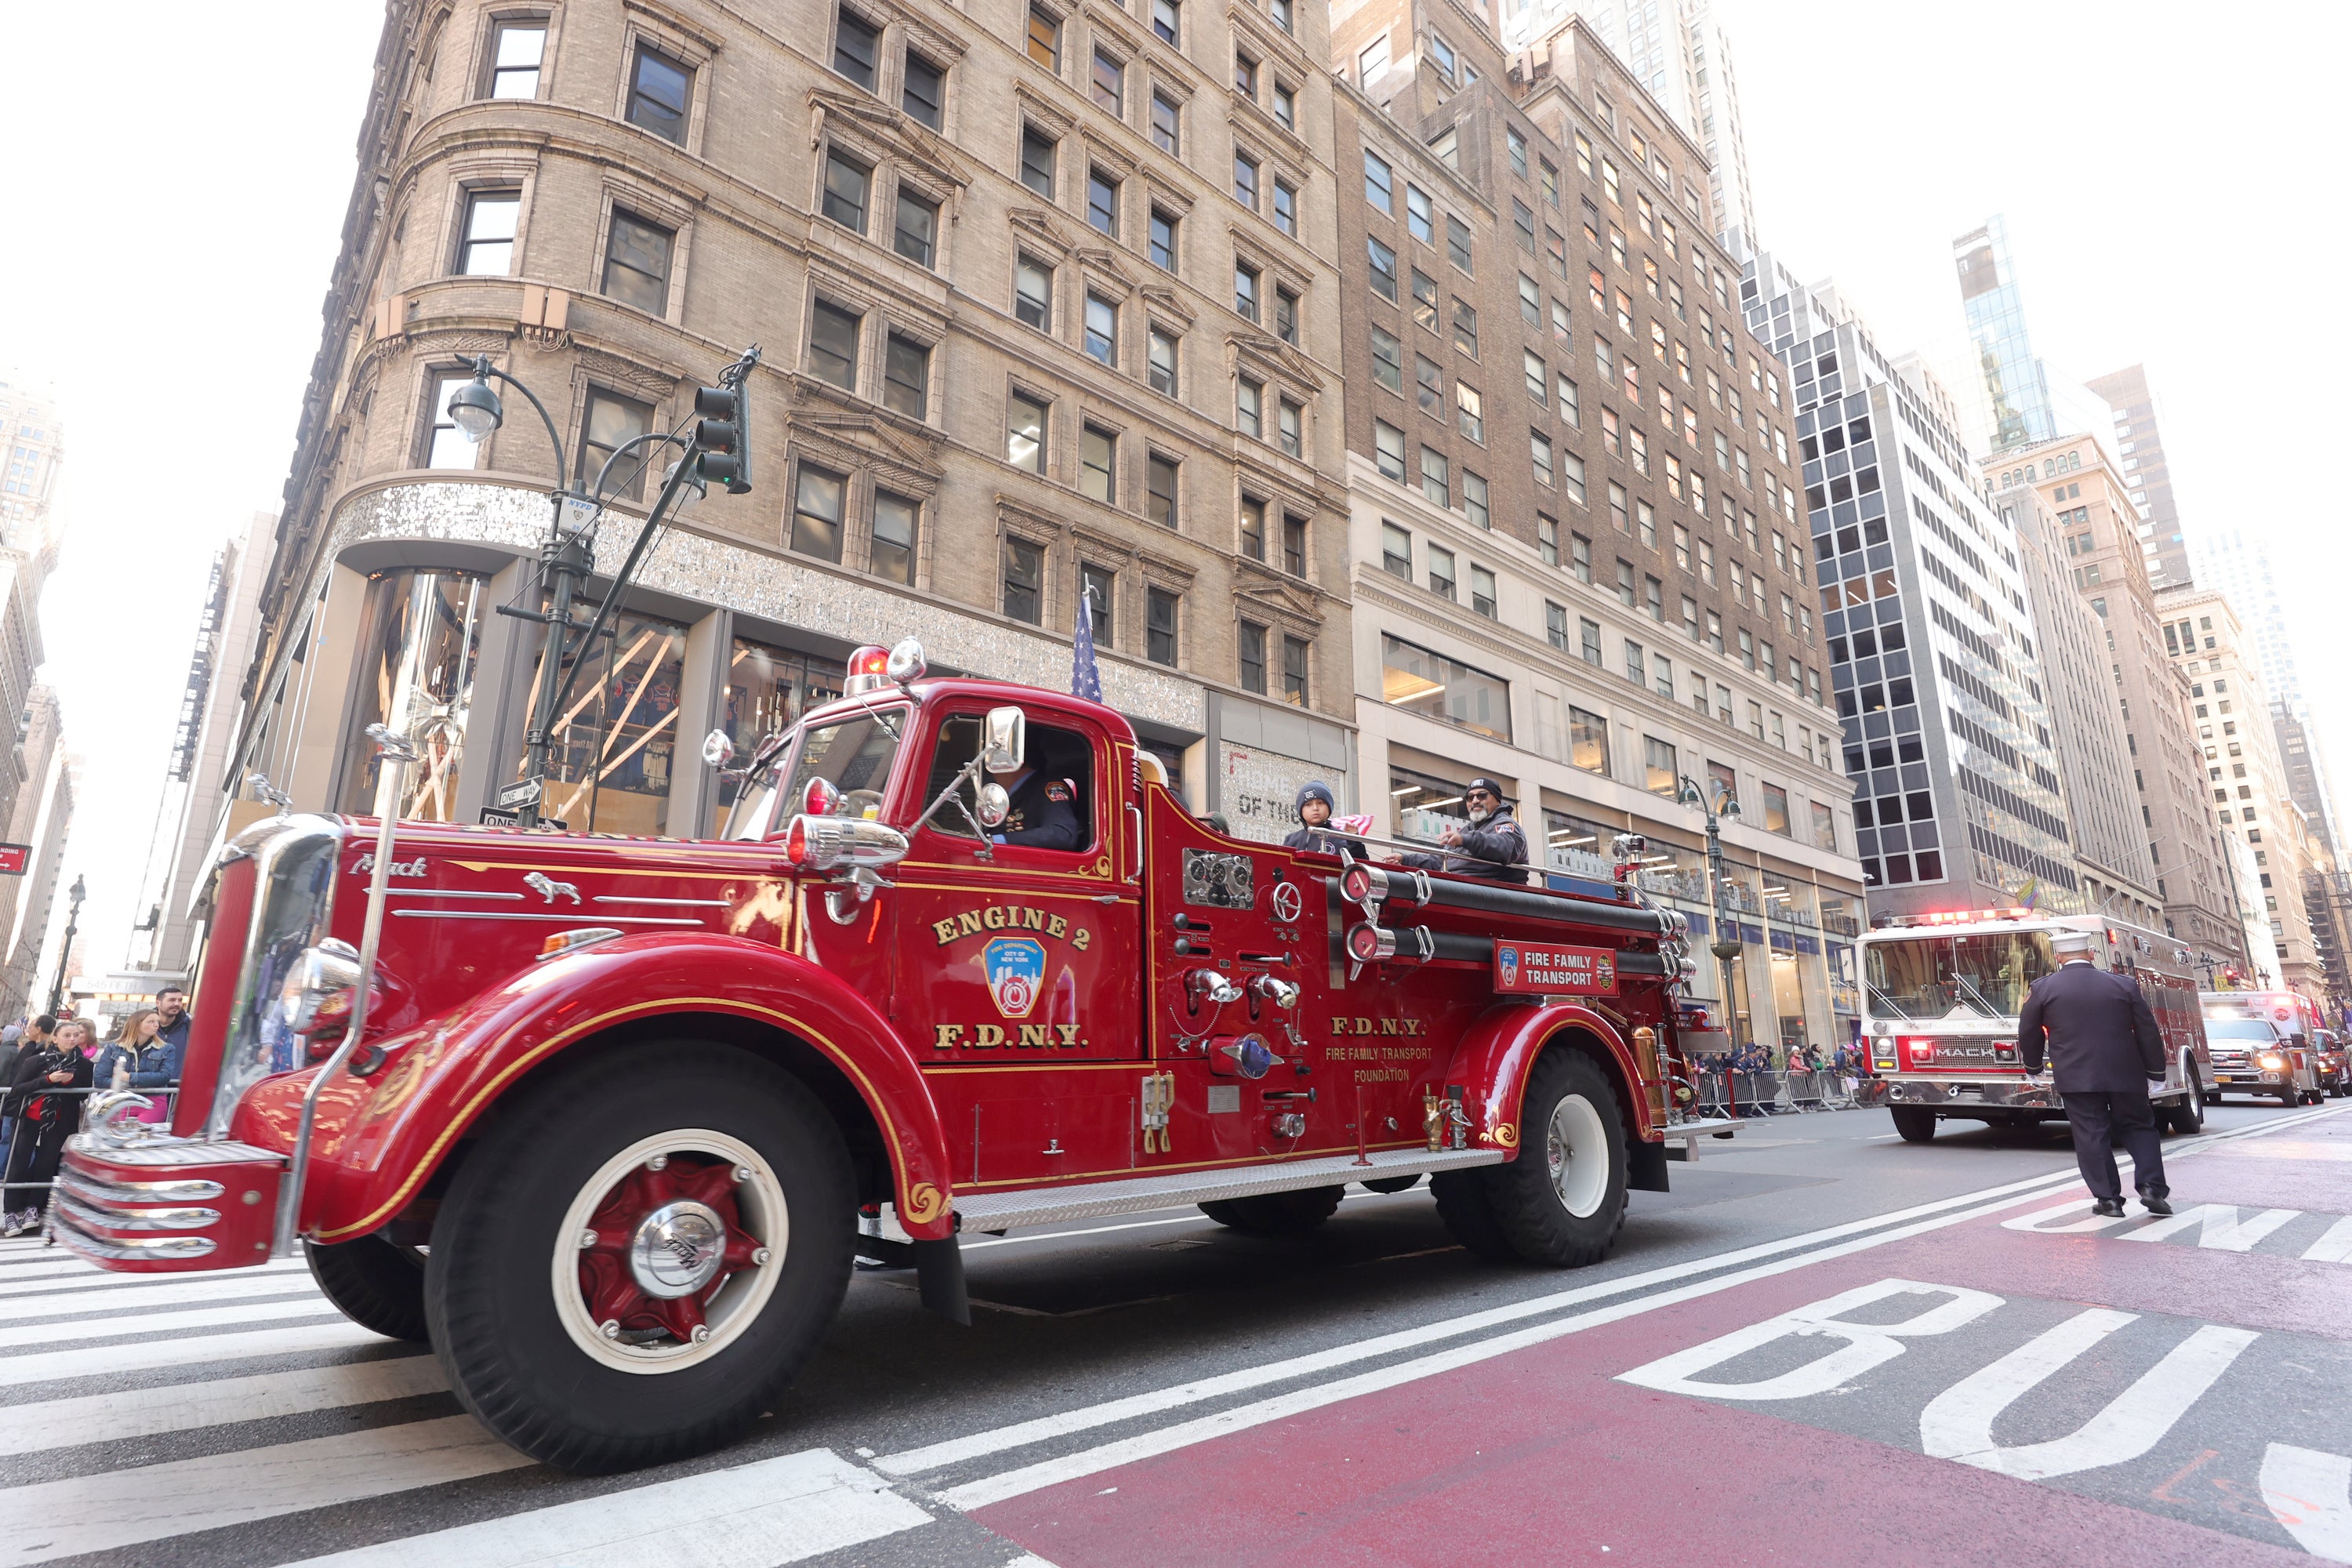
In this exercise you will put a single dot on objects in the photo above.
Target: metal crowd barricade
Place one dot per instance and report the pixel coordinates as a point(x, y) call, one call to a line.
point(1713, 1094)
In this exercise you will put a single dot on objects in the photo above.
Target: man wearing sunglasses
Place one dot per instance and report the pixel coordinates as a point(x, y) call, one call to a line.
point(1491, 845)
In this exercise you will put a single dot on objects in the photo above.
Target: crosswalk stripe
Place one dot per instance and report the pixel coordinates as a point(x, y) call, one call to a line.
point(2335, 1246)
point(46, 1426)
point(163, 1323)
point(99, 1512)
point(141, 1355)
point(777, 1510)
point(80, 1276)
point(150, 1293)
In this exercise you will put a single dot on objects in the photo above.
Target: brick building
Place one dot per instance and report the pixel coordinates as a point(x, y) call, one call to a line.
point(1045, 294)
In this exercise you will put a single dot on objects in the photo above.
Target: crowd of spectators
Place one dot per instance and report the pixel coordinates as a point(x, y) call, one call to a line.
point(49, 1067)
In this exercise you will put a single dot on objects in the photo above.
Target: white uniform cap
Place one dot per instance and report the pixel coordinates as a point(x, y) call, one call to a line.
point(2071, 941)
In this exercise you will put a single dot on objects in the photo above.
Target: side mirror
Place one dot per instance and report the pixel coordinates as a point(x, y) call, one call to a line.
point(995, 806)
point(1006, 744)
point(718, 749)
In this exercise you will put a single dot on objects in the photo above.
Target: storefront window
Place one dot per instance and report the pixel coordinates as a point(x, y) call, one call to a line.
point(1436, 687)
point(768, 689)
point(1579, 845)
point(609, 768)
point(421, 643)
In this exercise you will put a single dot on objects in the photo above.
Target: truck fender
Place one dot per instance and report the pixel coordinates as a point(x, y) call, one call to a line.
point(1496, 1053)
point(380, 1139)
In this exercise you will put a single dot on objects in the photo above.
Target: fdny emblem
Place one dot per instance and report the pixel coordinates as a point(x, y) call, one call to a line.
point(1508, 958)
point(1016, 966)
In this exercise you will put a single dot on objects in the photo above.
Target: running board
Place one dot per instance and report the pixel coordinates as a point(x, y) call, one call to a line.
point(1092, 1200)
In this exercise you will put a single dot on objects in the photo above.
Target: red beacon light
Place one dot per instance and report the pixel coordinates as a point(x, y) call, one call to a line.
point(796, 842)
point(821, 799)
point(874, 667)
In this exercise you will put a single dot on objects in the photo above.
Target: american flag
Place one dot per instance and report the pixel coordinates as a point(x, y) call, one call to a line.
point(1086, 680)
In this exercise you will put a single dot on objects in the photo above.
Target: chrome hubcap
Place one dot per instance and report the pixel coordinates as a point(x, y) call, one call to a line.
point(678, 1249)
point(1576, 1148)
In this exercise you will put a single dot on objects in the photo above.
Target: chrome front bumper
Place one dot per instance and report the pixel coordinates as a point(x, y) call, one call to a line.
point(1963, 1093)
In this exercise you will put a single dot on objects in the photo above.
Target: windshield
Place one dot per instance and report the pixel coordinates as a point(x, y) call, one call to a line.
point(2238, 1029)
point(1930, 976)
point(854, 755)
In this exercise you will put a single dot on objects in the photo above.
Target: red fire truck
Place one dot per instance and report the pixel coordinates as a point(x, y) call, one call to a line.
point(614, 1105)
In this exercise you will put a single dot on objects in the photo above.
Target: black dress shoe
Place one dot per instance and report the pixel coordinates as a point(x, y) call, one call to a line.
point(2109, 1208)
point(2154, 1206)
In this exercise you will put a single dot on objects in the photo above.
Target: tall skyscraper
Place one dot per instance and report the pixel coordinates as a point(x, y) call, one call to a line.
point(2139, 448)
point(1958, 801)
point(36, 785)
point(1678, 52)
point(2237, 565)
point(2014, 386)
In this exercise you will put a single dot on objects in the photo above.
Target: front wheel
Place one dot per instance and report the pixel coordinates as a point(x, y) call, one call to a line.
point(637, 1258)
point(1915, 1123)
point(1559, 1204)
point(374, 1283)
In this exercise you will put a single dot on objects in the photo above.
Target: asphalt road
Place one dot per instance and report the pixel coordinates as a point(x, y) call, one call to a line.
point(1824, 1345)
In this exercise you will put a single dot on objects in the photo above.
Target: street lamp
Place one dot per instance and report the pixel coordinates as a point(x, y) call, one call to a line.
point(1722, 803)
point(65, 955)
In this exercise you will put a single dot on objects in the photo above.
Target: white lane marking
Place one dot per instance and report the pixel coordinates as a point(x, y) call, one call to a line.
point(1867, 1345)
point(2335, 1246)
point(85, 1278)
point(1109, 1456)
point(777, 1510)
point(202, 1288)
point(47, 1426)
point(955, 1450)
point(1020, 1434)
point(2217, 1225)
point(95, 1360)
point(165, 1322)
point(121, 1508)
point(1957, 1422)
point(2037, 1221)
point(2310, 1494)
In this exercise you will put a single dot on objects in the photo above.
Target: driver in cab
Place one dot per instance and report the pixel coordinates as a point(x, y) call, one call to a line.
point(1045, 814)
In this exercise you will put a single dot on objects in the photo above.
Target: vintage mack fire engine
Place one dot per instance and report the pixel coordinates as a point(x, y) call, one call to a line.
point(615, 1104)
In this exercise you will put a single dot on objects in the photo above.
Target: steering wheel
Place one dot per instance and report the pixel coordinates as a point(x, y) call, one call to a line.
point(859, 803)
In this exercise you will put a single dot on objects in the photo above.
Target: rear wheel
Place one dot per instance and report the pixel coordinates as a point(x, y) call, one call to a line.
point(1917, 1124)
point(374, 1283)
point(643, 1286)
point(1560, 1202)
point(2186, 1116)
point(1277, 1214)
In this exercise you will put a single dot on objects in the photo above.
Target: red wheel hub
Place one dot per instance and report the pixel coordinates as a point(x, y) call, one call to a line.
point(611, 1281)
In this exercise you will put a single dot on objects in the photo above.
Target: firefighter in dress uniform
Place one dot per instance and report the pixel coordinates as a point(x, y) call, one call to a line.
point(1492, 845)
point(1045, 814)
point(2104, 1048)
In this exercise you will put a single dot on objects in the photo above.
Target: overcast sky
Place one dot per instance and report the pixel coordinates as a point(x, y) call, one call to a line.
point(2173, 184)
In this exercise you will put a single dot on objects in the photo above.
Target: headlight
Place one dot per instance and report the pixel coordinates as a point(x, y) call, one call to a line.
point(326, 971)
point(2273, 1063)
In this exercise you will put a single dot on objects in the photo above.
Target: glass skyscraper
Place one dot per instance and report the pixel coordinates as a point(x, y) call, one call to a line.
point(2016, 389)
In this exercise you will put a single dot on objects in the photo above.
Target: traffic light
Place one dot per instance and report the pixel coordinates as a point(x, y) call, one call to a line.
point(720, 441)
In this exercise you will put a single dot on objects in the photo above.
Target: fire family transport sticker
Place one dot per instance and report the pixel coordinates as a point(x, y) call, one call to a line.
point(1524, 969)
point(1016, 966)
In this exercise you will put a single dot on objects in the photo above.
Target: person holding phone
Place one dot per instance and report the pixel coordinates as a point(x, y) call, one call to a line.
point(46, 1121)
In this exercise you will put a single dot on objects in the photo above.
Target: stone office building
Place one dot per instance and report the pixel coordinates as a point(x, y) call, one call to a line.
point(1046, 299)
point(1579, 565)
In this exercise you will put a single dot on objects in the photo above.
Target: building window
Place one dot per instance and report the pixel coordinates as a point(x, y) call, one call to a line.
point(1037, 161)
point(1167, 16)
point(1109, 83)
point(1435, 483)
point(1245, 290)
point(1251, 644)
point(1249, 409)
point(1293, 671)
point(1286, 107)
point(1384, 269)
point(1033, 294)
point(1539, 456)
point(1457, 242)
point(1024, 568)
point(517, 51)
point(1165, 122)
point(1388, 450)
point(817, 499)
point(1556, 625)
point(1280, 11)
point(1373, 60)
point(1290, 431)
point(1098, 465)
point(1430, 384)
point(1589, 641)
point(923, 93)
point(1098, 585)
point(1439, 688)
point(1482, 591)
point(659, 90)
point(1286, 207)
point(1658, 773)
point(1159, 356)
point(1396, 552)
point(1159, 491)
point(1293, 545)
point(1380, 186)
point(1024, 434)
point(1253, 525)
point(895, 522)
point(907, 375)
point(833, 345)
point(446, 446)
point(1424, 300)
point(1776, 810)
point(1466, 326)
point(847, 182)
point(1285, 315)
point(854, 49)
point(1588, 741)
point(1162, 240)
point(1469, 408)
point(1420, 214)
point(1160, 625)
point(918, 224)
point(1474, 501)
point(1579, 557)
point(487, 249)
point(1101, 341)
point(612, 422)
point(636, 264)
point(1102, 202)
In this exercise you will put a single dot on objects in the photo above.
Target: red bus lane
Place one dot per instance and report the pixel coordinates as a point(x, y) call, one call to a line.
point(2026, 1385)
